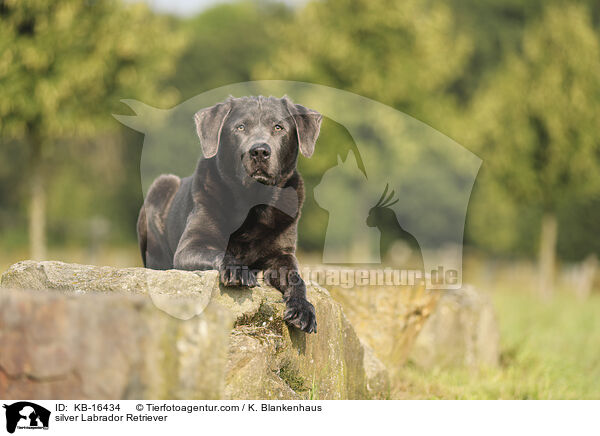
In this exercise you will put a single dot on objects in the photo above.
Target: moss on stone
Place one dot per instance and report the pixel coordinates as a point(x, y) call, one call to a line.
point(291, 376)
point(266, 318)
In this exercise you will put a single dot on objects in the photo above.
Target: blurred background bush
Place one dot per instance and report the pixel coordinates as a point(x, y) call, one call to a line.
point(517, 83)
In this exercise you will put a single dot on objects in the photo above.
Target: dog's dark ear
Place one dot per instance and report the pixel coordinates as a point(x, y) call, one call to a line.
point(308, 125)
point(209, 123)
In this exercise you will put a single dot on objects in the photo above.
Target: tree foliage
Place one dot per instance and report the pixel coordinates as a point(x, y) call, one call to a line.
point(535, 124)
point(404, 54)
point(64, 65)
point(225, 42)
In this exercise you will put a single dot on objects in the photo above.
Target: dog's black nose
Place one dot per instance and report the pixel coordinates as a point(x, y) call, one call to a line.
point(260, 151)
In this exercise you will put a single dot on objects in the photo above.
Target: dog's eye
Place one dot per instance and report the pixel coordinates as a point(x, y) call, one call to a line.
point(278, 128)
point(240, 127)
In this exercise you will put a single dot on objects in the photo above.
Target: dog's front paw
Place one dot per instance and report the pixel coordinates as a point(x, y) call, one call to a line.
point(301, 314)
point(237, 275)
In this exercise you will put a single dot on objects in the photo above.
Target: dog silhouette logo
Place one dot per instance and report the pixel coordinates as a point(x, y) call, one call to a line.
point(430, 176)
point(26, 415)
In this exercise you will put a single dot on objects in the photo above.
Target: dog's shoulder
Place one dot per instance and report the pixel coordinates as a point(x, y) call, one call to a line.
point(206, 184)
point(297, 183)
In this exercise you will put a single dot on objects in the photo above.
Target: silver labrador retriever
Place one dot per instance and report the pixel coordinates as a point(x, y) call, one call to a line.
point(238, 212)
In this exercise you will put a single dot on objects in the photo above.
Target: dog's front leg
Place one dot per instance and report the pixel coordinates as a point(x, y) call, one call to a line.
point(282, 274)
point(197, 260)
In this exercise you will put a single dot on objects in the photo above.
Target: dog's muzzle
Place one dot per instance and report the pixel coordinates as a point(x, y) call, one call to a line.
point(258, 163)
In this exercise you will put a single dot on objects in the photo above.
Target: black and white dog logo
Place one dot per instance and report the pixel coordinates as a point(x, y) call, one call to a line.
point(26, 415)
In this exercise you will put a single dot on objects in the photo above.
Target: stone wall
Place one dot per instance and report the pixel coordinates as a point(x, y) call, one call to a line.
point(85, 332)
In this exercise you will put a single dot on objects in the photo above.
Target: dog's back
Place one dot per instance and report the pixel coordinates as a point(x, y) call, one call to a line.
point(152, 222)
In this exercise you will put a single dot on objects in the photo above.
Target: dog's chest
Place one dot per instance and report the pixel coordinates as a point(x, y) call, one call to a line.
point(263, 221)
point(262, 226)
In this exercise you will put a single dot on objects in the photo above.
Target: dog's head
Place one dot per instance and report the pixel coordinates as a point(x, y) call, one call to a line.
point(257, 138)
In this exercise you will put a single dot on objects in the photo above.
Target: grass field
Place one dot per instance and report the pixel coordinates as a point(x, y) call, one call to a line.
point(550, 350)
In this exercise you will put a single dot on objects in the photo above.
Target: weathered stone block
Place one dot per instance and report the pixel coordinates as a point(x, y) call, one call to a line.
point(462, 331)
point(97, 346)
point(92, 332)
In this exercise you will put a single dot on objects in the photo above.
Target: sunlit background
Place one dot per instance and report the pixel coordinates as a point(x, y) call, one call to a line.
point(517, 83)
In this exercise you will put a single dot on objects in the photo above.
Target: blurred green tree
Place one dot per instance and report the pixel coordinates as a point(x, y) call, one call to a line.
point(535, 123)
point(225, 42)
point(64, 65)
point(405, 54)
